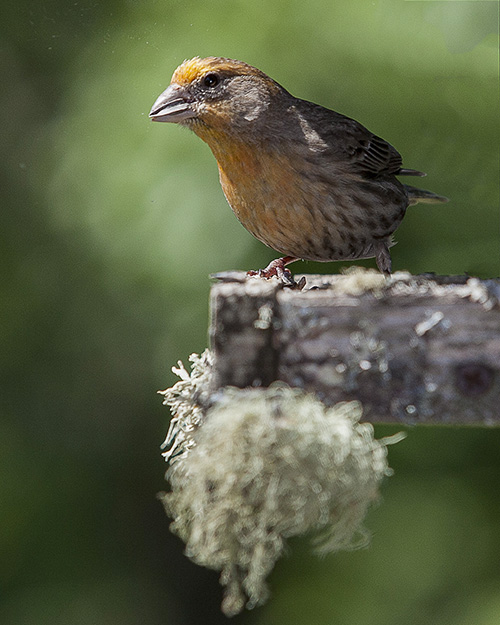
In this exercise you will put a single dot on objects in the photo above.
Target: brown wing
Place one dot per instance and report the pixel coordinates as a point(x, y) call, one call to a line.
point(350, 142)
point(368, 154)
point(375, 156)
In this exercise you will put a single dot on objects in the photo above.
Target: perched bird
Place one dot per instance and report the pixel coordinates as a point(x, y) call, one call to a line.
point(306, 181)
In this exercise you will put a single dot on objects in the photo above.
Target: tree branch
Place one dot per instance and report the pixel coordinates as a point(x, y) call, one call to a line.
point(412, 349)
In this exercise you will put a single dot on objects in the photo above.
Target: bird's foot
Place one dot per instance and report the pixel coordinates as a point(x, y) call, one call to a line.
point(383, 257)
point(277, 268)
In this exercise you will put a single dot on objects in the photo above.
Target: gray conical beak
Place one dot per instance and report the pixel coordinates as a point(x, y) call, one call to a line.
point(172, 106)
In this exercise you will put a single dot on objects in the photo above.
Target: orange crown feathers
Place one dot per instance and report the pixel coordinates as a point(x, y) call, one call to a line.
point(193, 68)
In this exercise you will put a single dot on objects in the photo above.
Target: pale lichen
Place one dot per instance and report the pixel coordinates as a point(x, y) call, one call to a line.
point(484, 292)
point(186, 399)
point(255, 467)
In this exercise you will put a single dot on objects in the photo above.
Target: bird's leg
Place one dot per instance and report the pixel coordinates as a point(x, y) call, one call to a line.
point(383, 258)
point(278, 268)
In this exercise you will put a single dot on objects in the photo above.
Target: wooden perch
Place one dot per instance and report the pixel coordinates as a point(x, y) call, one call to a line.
point(412, 349)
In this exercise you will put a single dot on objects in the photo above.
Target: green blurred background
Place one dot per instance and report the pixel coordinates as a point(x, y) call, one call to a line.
point(110, 226)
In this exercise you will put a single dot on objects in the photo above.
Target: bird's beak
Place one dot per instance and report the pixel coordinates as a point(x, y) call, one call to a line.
point(172, 105)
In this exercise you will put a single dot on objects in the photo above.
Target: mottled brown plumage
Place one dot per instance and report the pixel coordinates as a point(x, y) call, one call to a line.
point(305, 180)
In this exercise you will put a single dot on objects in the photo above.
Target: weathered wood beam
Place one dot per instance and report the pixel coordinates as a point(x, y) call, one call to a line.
point(412, 349)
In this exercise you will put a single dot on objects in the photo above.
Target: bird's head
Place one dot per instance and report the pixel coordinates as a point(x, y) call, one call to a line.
point(217, 95)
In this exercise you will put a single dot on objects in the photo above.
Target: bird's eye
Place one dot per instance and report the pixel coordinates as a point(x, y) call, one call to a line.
point(211, 80)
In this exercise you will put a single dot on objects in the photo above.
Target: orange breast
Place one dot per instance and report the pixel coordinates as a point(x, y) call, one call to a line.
point(269, 197)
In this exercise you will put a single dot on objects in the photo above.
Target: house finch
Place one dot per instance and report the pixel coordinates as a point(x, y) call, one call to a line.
point(305, 180)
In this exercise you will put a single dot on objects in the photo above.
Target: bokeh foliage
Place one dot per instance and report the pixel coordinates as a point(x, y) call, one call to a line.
point(109, 228)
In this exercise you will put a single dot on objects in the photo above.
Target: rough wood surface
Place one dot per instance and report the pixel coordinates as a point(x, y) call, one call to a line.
point(412, 349)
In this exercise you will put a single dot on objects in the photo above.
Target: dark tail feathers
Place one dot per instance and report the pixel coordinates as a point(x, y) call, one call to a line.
point(416, 196)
